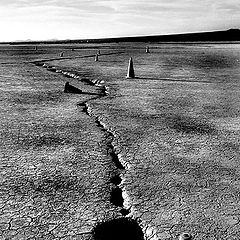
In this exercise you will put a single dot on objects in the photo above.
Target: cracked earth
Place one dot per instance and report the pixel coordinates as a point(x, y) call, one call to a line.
point(165, 154)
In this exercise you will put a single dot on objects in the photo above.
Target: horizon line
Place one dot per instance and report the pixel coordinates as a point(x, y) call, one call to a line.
point(119, 37)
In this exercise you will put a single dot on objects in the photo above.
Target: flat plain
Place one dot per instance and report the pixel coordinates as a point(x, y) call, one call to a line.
point(174, 128)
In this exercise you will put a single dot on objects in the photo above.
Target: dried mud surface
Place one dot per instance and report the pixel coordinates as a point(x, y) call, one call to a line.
point(55, 168)
point(157, 155)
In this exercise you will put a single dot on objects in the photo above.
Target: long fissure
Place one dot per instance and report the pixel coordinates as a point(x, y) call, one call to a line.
point(121, 228)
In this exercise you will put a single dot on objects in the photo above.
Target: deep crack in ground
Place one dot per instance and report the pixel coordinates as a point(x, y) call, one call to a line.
point(122, 228)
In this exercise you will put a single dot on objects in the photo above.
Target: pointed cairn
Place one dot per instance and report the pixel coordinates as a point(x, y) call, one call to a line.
point(36, 48)
point(130, 73)
point(147, 49)
point(61, 54)
point(96, 58)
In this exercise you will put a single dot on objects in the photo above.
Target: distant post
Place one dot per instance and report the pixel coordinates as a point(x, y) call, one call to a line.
point(61, 54)
point(98, 52)
point(96, 58)
point(130, 73)
point(147, 49)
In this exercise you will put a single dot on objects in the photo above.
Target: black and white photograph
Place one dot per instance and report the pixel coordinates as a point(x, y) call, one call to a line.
point(119, 120)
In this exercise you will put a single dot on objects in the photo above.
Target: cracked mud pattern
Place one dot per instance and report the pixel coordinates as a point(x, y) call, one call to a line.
point(55, 171)
point(178, 180)
point(161, 149)
point(181, 143)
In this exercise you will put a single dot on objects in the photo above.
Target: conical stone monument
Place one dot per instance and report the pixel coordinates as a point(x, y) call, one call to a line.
point(130, 73)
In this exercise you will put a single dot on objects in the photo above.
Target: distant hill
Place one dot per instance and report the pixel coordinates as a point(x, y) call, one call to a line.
point(216, 36)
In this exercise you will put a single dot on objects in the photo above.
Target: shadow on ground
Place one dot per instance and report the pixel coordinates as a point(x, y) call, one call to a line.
point(118, 229)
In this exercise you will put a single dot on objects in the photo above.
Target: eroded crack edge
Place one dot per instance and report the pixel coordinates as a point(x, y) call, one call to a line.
point(118, 194)
point(117, 197)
